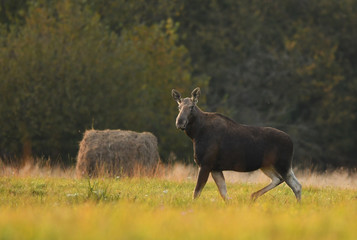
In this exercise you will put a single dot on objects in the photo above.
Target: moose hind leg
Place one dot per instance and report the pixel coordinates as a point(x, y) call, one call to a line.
point(294, 184)
point(276, 179)
point(221, 184)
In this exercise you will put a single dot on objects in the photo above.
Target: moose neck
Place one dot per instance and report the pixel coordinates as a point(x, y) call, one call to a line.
point(196, 123)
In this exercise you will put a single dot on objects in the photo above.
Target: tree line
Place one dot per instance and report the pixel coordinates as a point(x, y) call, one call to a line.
point(67, 66)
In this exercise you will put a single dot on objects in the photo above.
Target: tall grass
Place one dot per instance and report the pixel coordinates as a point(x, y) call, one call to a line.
point(179, 172)
point(51, 203)
point(147, 208)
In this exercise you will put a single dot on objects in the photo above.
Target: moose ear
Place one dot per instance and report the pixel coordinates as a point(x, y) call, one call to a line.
point(176, 95)
point(196, 94)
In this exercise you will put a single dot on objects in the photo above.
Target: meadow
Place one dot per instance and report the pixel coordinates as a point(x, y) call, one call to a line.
point(54, 206)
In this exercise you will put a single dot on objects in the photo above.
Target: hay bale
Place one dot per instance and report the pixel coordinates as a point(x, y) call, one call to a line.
point(116, 152)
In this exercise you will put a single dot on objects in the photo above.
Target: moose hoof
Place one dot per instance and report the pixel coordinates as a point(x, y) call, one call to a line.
point(227, 199)
point(254, 196)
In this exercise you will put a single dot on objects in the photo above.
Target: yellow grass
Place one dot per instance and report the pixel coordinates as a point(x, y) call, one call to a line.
point(180, 172)
point(45, 203)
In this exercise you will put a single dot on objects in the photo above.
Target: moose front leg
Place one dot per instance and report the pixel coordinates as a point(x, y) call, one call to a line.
point(221, 184)
point(203, 174)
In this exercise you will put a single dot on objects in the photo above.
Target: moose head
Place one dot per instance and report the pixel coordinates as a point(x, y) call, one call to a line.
point(187, 107)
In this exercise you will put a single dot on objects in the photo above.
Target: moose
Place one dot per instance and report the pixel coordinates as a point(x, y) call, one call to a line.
point(220, 144)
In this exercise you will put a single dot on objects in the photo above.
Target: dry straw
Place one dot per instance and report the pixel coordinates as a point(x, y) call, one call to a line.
point(178, 172)
point(116, 153)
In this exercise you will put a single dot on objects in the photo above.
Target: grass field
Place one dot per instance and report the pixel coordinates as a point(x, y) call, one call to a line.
point(48, 207)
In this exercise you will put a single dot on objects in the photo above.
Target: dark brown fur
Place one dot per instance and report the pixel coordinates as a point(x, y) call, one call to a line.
point(220, 144)
point(237, 147)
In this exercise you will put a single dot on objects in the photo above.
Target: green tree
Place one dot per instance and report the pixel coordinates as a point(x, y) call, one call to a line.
point(284, 63)
point(64, 72)
point(12, 12)
point(287, 64)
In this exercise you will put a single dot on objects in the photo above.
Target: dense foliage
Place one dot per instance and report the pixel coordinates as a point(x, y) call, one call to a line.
point(67, 66)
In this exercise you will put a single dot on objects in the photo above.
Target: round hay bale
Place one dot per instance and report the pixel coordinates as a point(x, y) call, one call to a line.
point(116, 153)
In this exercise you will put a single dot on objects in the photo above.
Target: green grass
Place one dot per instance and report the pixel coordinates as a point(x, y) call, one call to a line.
point(144, 208)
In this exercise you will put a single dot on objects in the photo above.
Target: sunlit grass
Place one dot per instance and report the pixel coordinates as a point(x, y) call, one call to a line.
point(146, 208)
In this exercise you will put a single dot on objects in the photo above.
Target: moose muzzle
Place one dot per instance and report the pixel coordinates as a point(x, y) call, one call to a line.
point(181, 123)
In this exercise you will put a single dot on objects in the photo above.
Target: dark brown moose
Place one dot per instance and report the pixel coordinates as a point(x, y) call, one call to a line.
point(221, 144)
